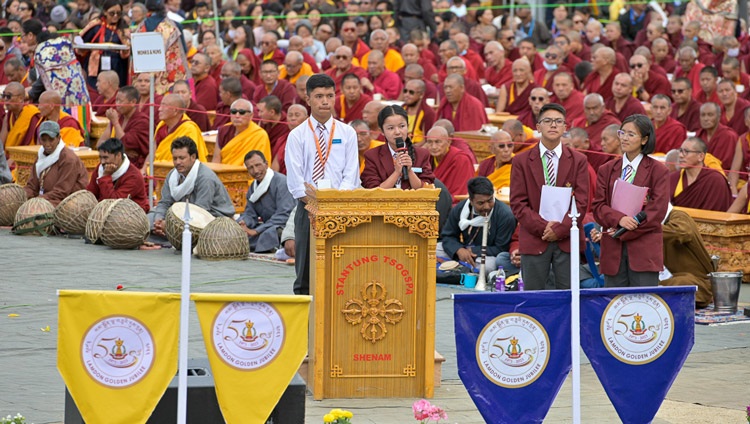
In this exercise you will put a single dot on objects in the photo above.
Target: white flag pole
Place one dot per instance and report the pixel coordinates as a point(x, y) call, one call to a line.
point(151, 143)
point(187, 250)
point(575, 318)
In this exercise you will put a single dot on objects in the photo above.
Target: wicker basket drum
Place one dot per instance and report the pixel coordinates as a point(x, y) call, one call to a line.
point(96, 220)
point(35, 216)
point(12, 196)
point(73, 212)
point(223, 239)
point(126, 226)
point(174, 225)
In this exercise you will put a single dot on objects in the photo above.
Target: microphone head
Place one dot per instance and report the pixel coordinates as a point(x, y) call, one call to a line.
point(400, 143)
point(641, 216)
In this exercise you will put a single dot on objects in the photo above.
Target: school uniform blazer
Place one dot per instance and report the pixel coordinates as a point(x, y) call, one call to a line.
point(379, 166)
point(526, 181)
point(645, 251)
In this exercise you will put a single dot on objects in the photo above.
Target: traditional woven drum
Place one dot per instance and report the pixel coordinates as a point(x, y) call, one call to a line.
point(12, 196)
point(73, 212)
point(223, 239)
point(96, 220)
point(126, 225)
point(35, 216)
point(174, 225)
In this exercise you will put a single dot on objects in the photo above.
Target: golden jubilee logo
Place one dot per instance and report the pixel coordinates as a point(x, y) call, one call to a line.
point(637, 328)
point(513, 350)
point(248, 335)
point(117, 351)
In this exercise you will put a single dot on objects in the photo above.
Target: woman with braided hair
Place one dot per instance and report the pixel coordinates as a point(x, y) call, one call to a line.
point(384, 165)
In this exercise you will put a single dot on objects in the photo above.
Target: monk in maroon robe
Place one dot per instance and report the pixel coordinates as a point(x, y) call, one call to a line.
point(689, 68)
point(472, 87)
point(669, 135)
point(351, 103)
point(450, 165)
point(622, 103)
point(603, 73)
point(597, 119)
point(383, 81)
point(464, 110)
point(205, 92)
point(342, 65)
point(565, 93)
point(733, 104)
point(198, 114)
point(721, 140)
point(695, 185)
point(514, 95)
point(273, 86)
point(685, 109)
point(269, 50)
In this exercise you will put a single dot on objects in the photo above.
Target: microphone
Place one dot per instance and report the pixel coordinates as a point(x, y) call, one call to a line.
point(401, 147)
point(638, 218)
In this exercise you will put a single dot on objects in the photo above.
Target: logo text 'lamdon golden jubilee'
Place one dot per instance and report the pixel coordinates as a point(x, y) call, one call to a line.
point(637, 328)
point(248, 335)
point(117, 351)
point(513, 350)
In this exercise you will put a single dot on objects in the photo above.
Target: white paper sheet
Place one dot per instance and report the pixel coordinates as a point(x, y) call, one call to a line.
point(555, 202)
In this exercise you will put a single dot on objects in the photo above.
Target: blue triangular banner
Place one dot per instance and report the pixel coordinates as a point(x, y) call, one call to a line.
point(637, 340)
point(513, 352)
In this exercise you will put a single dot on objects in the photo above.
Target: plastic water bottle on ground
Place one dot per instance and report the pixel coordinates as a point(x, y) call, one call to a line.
point(500, 279)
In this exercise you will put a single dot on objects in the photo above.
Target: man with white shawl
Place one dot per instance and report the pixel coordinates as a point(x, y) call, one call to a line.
point(269, 204)
point(116, 177)
point(57, 172)
point(190, 181)
point(461, 238)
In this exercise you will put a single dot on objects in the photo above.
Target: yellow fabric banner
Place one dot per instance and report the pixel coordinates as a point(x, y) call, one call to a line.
point(255, 345)
point(117, 352)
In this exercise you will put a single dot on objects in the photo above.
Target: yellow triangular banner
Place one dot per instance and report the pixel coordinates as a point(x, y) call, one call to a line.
point(255, 345)
point(117, 352)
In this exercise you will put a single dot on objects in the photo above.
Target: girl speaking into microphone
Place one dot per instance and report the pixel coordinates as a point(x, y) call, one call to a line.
point(396, 164)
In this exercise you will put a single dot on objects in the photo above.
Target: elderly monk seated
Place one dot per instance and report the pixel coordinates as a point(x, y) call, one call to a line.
point(269, 204)
point(128, 125)
point(273, 86)
point(70, 130)
point(230, 90)
point(106, 85)
point(195, 110)
point(370, 115)
point(597, 118)
point(350, 104)
point(272, 119)
point(564, 88)
point(116, 177)
point(696, 186)
point(456, 142)
point(461, 237)
point(622, 103)
point(497, 166)
point(342, 65)
point(21, 119)
point(57, 172)
point(190, 181)
point(464, 110)
point(514, 95)
point(242, 135)
point(173, 123)
point(449, 164)
point(297, 115)
point(364, 141)
point(421, 115)
point(685, 256)
point(670, 133)
point(456, 65)
point(538, 98)
point(205, 84)
point(294, 67)
point(721, 140)
point(384, 82)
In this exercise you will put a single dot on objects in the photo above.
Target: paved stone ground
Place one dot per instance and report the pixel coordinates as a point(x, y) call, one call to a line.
point(712, 387)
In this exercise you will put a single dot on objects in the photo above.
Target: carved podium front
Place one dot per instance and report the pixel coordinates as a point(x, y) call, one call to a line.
point(372, 272)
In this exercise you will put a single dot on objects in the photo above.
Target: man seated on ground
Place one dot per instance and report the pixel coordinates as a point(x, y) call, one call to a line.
point(107, 84)
point(696, 186)
point(191, 181)
point(450, 165)
point(195, 111)
point(670, 133)
point(174, 124)
point(497, 166)
point(57, 172)
point(269, 204)
point(364, 141)
point(20, 120)
point(350, 104)
point(116, 177)
point(128, 125)
point(236, 139)
point(461, 237)
point(70, 130)
point(464, 110)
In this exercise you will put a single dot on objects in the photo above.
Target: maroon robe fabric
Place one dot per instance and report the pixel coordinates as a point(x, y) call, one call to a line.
point(350, 113)
point(144, 107)
point(476, 61)
point(455, 170)
point(128, 186)
point(737, 123)
point(205, 93)
point(541, 82)
point(102, 105)
point(584, 54)
point(248, 87)
point(668, 64)
point(254, 74)
point(338, 76)
point(222, 116)
point(430, 70)
point(521, 101)
point(573, 107)
point(528, 118)
point(499, 77)
point(463, 146)
point(675, 40)
point(277, 134)
point(216, 72)
point(4, 78)
point(430, 90)
point(595, 155)
point(469, 114)
point(284, 90)
point(135, 139)
point(691, 117)
point(694, 77)
point(388, 84)
point(623, 46)
point(631, 107)
point(745, 144)
point(198, 114)
point(709, 191)
point(705, 98)
point(225, 134)
point(571, 61)
point(592, 84)
point(670, 135)
point(307, 58)
point(360, 50)
point(722, 144)
point(657, 84)
point(472, 87)
point(278, 57)
point(513, 54)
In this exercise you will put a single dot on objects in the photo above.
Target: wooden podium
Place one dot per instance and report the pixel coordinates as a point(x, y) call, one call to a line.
point(372, 275)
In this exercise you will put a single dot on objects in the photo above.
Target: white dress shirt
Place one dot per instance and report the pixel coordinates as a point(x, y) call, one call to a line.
point(634, 164)
point(342, 166)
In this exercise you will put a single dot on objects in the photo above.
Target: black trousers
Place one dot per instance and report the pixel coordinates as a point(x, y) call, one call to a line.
point(302, 249)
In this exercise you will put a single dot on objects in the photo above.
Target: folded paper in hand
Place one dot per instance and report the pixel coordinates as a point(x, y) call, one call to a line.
point(628, 198)
point(555, 202)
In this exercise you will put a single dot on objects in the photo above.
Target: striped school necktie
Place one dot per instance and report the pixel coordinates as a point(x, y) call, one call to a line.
point(549, 171)
point(319, 169)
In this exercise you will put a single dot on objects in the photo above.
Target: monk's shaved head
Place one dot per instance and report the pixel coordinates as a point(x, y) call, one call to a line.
point(50, 97)
point(437, 132)
point(458, 79)
point(448, 125)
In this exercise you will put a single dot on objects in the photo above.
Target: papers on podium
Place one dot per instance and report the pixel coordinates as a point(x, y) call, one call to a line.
point(628, 198)
point(555, 202)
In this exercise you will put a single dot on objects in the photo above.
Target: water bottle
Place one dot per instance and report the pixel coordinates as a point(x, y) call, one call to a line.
point(500, 279)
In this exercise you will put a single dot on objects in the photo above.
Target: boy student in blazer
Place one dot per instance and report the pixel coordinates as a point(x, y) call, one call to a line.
point(635, 258)
point(544, 244)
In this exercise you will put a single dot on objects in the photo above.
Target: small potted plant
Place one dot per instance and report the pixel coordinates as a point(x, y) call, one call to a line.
point(424, 411)
point(338, 416)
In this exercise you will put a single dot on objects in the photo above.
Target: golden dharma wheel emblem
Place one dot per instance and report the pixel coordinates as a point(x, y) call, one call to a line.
point(373, 311)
